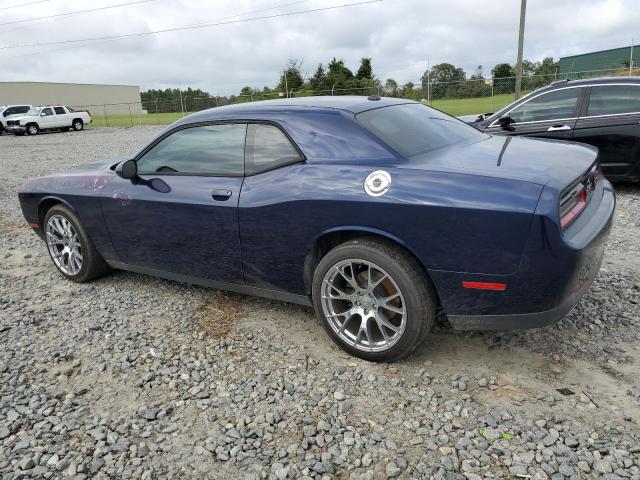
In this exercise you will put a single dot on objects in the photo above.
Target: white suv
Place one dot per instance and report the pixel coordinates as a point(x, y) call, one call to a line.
point(51, 117)
point(11, 111)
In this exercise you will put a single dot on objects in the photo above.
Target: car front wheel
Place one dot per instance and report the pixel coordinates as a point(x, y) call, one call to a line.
point(374, 300)
point(32, 129)
point(69, 246)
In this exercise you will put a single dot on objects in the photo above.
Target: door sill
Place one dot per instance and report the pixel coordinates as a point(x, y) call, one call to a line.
point(231, 287)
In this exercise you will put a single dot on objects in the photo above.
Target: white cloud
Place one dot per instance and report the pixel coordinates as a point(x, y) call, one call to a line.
point(400, 36)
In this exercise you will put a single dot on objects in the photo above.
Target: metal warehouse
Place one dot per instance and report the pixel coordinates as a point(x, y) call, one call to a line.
point(615, 58)
point(114, 99)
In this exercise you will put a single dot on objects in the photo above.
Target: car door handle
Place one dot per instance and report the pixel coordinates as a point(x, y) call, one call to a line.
point(558, 128)
point(221, 195)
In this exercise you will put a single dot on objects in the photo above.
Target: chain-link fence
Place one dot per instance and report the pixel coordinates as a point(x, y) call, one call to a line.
point(456, 98)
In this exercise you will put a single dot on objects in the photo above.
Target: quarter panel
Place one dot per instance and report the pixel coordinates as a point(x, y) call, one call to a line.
point(450, 221)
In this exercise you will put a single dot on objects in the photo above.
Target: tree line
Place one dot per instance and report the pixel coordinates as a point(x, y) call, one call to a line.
point(443, 80)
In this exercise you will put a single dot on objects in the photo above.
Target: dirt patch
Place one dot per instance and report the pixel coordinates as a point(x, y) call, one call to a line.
point(218, 314)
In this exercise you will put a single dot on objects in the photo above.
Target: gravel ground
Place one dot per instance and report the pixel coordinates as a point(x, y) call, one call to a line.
point(136, 377)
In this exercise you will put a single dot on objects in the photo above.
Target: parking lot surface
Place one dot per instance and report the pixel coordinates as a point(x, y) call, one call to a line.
point(135, 377)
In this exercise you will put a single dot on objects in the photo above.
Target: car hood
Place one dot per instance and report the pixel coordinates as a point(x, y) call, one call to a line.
point(99, 167)
point(546, 162)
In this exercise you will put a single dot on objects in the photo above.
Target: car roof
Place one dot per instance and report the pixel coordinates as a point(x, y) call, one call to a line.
point(349, 103)
point(590, 81)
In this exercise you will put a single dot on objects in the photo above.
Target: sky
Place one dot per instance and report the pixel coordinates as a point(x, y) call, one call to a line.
point(400, 36)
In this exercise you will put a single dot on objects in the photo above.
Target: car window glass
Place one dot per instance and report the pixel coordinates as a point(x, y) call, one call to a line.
point(47, 111)
point(59, 110)
point(267, 148)
point(413, 129)
point(205, 150)
point(24, 109)
point(8, 111)
point(548, 106)
point(612, 99)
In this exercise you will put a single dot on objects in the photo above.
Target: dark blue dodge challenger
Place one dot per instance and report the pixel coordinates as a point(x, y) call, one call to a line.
point(376, 211)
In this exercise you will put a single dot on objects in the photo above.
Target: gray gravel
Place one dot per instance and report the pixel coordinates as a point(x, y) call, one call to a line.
point(123, 378)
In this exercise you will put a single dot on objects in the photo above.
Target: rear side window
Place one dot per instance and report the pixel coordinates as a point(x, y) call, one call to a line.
point(412, 129)
point(207, 150)
point(268, 148)
point(614, 99)
point(59, 110)
point(548, 106)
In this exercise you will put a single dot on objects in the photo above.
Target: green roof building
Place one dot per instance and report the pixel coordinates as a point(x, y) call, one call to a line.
point(592, 64)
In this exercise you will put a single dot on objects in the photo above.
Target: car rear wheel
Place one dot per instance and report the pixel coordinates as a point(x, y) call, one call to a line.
point(374, 300)
point(77, 125)
point(32, 129)
point(69, 246)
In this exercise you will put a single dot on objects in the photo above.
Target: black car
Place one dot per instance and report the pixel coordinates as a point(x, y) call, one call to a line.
point(603, 112)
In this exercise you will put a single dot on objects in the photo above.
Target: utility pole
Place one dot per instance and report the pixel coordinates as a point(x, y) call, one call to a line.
point(631, 59)
point(523, 8)
point(180, 92)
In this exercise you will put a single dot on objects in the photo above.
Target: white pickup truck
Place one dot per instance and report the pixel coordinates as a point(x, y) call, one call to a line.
point(9, 112)
point(38, 119)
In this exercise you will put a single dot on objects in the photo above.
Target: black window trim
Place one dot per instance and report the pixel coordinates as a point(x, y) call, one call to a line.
point(585, 107)
point(246, 122)
point(576, 110)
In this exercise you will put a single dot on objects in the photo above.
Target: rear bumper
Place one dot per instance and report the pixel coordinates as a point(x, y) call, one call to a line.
point(551, 280)
point(522, 321)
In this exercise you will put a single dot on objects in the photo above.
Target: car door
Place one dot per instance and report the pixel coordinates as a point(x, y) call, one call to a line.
point(60, 118)
point(610, 120)
point(551, 114)
point(47, 118)
point(181, 217)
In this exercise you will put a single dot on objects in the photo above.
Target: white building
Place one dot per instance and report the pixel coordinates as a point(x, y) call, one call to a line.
point(112, 99)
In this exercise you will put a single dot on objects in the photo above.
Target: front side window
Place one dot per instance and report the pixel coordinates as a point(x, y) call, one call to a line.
point(23, 109)
point(205, 150)
point(47, 111)
point(59, 110)
point(614, 99)
point(268, 148)
point(413, 129)
point(554, 105)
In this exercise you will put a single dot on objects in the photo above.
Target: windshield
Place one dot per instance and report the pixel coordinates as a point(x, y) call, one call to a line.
point(412, 128)
point(34, 112)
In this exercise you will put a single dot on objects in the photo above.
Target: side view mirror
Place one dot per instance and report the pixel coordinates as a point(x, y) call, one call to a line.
point(506, 123)
point(43, 114)
point(127, 170)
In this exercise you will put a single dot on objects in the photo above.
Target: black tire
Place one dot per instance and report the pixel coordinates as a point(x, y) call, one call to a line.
point(32, 129)
point(419, 294)
point(93, 264)
point(1, 129)
point(77, 124)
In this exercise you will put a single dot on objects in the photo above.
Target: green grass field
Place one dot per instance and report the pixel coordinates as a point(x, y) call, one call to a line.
point(456, 106)
point(468, 106)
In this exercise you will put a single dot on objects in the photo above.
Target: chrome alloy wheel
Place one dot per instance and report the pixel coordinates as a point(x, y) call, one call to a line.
point(363, 305)
point(64, 245)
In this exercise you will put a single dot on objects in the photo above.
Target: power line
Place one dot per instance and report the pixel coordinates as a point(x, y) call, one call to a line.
point(281, 5)
point(77, 12)
point(24, 4)
point(191, 27)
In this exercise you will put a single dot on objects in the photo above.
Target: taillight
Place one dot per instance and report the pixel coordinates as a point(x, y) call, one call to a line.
point(575, 199)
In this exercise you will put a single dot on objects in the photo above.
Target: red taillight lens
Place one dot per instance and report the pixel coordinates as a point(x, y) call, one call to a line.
point(573, 207)
point(575, 199)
